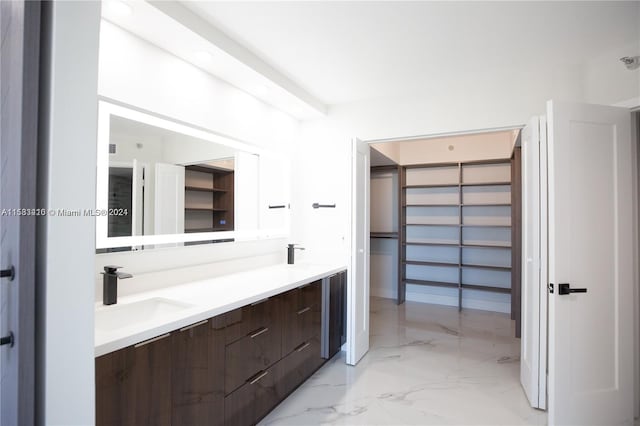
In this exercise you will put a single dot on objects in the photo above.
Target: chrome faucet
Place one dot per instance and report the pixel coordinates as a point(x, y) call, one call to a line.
point(290, 253)
point(110, 284)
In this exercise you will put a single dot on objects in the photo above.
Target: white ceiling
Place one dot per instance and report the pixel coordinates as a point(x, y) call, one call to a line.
point(343, 52)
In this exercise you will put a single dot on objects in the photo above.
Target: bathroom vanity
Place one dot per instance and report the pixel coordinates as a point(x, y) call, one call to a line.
point(223, 351)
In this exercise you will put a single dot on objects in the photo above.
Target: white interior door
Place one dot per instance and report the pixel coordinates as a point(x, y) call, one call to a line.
point(358, 285)
point(533, 356)
point(169, 199)
point(591, 248)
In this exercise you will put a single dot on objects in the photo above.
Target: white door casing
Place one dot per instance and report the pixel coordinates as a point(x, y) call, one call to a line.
point(590, 246)
point(533, 342)
point(358, 284)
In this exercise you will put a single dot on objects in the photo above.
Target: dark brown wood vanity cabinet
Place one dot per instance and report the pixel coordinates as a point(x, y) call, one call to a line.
point(198, 374)
point(232, 369)
point(337, 312)
point(301, 334)
point(133, 385)
point(253, 337)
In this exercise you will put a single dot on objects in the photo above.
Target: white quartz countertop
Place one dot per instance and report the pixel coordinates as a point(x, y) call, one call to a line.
point(197, 301)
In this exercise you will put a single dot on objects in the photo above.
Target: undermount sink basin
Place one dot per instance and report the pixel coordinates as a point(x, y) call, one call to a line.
point(114, 317)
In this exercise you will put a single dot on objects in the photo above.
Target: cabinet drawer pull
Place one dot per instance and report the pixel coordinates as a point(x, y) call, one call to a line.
point(155, 339)
point(302, 311)
point(257, 379)
point(189, 327)
point(259, 332)
point(259, 301)
point(303, 347)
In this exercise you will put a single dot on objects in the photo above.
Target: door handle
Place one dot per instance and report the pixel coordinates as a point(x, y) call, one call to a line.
point(8, 273)
point(7, 340)
point(565, 288)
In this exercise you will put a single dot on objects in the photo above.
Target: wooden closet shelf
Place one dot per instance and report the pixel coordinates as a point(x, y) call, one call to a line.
point(486, 288)
point(432, 185)
point(473, 245)
point(456, 225)
point(431, 205)
point(194, 230)
point(390, 235)
point(202, 189)
point(485, 205)
point(422, 243)
point(501, 183)
point(431, 283)
point(204, 209)
point(465, 225)
point(488, 267)
point(429, 263)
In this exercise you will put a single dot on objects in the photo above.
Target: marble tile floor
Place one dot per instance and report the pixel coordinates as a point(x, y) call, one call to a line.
point(427, 365)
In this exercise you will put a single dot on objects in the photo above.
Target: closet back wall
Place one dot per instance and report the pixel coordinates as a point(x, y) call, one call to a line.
point(384, 219)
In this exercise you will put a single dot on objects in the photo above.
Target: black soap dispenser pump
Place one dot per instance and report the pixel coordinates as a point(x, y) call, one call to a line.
point(291, 253)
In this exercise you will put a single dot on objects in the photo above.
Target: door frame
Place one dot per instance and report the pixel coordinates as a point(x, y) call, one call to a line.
point(23, 79)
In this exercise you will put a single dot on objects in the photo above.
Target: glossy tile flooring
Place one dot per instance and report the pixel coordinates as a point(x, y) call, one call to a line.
point(427, 365)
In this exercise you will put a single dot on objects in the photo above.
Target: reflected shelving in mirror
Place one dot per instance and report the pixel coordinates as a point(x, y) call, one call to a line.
point(173, 184)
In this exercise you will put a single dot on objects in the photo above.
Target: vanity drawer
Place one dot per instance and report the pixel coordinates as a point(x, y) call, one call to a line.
point(253, 353)
point(243, 321)
point(311, 294)
point(255, 398)
point(302, 316)
point(303, 361)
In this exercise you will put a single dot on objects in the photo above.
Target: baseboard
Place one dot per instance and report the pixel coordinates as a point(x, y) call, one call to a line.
point(386, 293)
point(438, 299)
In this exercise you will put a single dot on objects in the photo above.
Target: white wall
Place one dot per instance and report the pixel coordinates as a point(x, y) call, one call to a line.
point(607, 81)
point(137, 73)
point(321, 170)
point(64, 330)
point(443, 110)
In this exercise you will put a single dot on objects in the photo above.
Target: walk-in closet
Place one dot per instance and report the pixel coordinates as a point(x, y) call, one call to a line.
point(445, 221)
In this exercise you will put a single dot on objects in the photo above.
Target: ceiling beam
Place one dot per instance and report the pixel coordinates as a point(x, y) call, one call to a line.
point(209, 32)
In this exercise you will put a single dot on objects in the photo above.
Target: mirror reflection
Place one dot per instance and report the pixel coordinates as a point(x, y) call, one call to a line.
point(167, 182)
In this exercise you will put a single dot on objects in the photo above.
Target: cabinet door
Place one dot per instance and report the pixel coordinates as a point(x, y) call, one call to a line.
point(337, 314)
point(114, 387)
point(133, 385)
point(151, 373)
point(198, 375)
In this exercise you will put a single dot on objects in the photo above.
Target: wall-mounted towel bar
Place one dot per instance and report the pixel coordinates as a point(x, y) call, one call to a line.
point(328, 206)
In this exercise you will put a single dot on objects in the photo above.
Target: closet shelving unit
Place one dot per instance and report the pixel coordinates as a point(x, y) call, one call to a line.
point(209, 200)
point(455, 229)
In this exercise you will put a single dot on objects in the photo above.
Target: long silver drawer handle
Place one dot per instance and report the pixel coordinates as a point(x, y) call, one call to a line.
point(259, 332)
point(260, 301)
point(198, 324)
point(254, 381)
point(303, 347)
point(155, 339)
point(302, 311)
